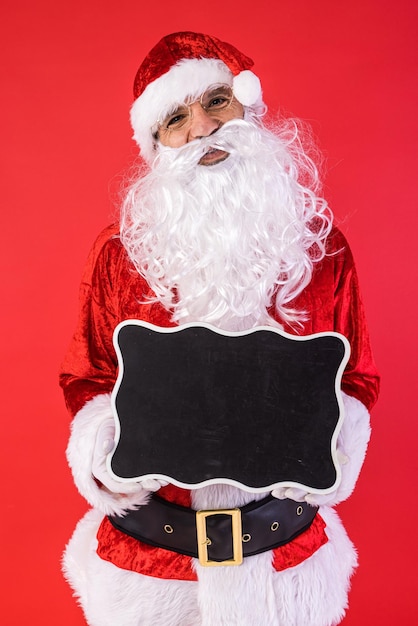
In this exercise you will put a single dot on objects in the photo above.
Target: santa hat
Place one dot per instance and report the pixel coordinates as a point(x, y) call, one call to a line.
point(183, 65)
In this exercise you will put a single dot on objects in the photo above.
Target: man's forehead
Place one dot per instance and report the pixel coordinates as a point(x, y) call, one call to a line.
point(200, 94)
point(184, 84)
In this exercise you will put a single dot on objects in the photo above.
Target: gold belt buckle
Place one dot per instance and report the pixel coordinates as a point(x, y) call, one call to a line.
point(203, 540)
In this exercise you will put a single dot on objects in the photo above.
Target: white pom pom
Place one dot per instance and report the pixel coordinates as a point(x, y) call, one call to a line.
point(246, 87)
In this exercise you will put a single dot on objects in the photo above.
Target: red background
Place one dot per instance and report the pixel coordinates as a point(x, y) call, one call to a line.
point(67, 71)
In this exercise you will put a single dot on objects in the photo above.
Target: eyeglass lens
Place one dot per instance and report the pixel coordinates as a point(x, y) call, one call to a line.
point(213, 100)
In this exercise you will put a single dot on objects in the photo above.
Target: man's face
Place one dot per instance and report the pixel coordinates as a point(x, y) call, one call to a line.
point(201, 118)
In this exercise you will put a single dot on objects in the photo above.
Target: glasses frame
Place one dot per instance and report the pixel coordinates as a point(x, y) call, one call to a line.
point(162, 124)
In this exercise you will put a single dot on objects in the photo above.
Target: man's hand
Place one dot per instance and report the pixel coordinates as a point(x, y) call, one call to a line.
point(301, 495)
point(105, 443)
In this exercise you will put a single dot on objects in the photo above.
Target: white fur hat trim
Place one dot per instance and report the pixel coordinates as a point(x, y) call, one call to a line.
point(188, 78)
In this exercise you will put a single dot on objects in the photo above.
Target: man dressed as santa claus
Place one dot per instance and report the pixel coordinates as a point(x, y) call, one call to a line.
point(222, 224)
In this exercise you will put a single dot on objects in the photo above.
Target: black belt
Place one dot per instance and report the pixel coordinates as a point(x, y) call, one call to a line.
point(220, 536)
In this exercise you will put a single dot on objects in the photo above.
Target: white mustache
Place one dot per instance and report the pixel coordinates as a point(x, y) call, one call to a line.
point(231, 137)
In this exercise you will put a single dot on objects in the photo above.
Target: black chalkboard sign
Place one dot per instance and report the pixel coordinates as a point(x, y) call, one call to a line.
point(257, 409)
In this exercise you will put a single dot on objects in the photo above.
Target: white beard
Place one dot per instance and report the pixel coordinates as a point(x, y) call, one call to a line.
point(220, 244)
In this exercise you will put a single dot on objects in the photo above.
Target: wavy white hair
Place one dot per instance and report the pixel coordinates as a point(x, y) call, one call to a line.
point(222, 244)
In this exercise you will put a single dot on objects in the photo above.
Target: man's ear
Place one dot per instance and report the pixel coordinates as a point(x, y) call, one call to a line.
point(155, 141)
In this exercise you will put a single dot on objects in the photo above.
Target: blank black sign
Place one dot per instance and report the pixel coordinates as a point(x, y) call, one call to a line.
point(256, 409)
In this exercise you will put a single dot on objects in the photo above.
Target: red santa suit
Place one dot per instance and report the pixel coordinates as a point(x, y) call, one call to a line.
point(120, 580)
point(113, 291)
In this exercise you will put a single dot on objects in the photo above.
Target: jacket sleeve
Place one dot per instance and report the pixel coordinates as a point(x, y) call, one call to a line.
point(360, 382)
point(90, 364)
point(360, 379)
point(89, 372)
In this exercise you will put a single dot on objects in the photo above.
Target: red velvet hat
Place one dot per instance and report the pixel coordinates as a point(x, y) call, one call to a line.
point(183, 65)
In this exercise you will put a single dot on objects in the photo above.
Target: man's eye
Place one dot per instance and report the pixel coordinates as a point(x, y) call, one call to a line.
point(217, 102)
point(176, 120)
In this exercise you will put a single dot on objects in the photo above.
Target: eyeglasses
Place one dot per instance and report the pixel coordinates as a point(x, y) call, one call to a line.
point(217, 98)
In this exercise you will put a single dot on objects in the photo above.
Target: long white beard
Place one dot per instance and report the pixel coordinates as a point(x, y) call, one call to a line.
point(219, 244)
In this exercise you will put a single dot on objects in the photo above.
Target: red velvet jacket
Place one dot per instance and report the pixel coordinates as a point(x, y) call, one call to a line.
point(113, 291)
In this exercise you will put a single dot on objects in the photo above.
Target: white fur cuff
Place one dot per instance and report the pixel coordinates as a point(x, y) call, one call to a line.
point(352, 442)
point(80, 459)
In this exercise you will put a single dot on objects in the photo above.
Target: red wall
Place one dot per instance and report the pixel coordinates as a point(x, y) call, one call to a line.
point(350, 69)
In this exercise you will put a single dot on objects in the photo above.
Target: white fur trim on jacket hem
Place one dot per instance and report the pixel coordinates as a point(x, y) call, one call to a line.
point(314, 592)
point(80, 459)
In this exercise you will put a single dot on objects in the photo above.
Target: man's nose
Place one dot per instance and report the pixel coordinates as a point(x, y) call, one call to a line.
point(202, 124)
